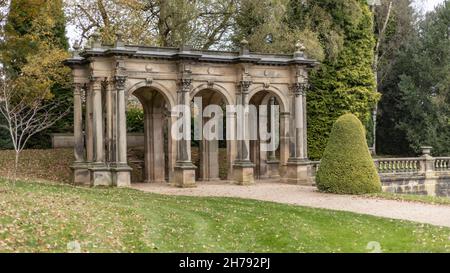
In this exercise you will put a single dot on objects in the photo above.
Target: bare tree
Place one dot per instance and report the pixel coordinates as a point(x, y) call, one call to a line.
point(25, 116)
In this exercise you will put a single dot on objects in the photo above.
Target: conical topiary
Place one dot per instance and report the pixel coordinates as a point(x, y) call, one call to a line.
point(347, 166)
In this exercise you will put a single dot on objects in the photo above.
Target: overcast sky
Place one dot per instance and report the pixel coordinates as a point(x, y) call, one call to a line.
point(427, 5)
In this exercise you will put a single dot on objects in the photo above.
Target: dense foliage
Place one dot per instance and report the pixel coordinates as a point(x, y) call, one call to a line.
point(347, 166)
point(338, 33)
point(32, 50)
point(135, 120)
point(399, 36)
point(415, 105)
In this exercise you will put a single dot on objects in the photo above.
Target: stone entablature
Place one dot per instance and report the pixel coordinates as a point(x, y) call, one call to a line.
point(161, 78)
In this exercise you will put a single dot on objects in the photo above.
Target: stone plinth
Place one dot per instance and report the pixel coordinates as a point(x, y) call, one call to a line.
point(273, 168)
point(243, 173)
point(298, 173)
point(121, 176)
point(100, 175)
point(81, 173)
point(184, 176)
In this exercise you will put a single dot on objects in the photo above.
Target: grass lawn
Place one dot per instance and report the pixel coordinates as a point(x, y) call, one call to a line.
point(435, 200)
point(45, 218)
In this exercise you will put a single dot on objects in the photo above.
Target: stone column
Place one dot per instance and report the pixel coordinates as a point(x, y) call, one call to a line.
point(285, 118)
point(298, 163)
point(209, 168)
point(243, 168)
point(184, 175)
point(273, 164)
point(99, 151)
point(272, 154)
point(172, 149)
point(121, 171)
point(298, 154)
point(231, 144)
point(78, 124)
point(100, 172)
point(89, 133)
point(80, 168)
point(154, 144)
point(109, 122)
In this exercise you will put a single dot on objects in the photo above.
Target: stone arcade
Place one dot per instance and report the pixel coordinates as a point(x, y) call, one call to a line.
point(106, 75)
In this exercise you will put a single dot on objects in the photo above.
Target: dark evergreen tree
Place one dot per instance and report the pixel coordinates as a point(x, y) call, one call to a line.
point(400, 34)
point(424, 85)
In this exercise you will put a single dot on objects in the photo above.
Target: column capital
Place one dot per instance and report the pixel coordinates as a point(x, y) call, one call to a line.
point(299, 88)
point(185, 84)
point(96, 82)
point(120, 82)
point(78, 88)
point(95, 79)
point(244, 85)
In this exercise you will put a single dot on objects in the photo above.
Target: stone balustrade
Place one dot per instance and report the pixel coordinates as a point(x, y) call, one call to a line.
point(442, 164)
point(398, 165)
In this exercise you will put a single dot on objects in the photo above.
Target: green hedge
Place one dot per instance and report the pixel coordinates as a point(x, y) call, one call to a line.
point(346, 83)
point(347, 166)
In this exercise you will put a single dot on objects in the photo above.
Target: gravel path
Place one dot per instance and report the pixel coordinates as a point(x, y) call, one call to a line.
point(307, 196)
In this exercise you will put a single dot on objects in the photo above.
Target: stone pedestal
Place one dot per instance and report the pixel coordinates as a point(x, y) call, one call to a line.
point(121, 176)
point(298, 173)
point(100, 175)
point(243, 173)
point(81, 174)
point(184, 176)
point(273, 168)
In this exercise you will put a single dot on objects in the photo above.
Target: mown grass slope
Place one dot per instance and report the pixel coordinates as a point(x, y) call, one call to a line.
point(45, 218)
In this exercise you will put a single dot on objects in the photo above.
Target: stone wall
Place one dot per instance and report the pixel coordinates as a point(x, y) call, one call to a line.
point(67, 140)
point(414, 184)
point(443, 187)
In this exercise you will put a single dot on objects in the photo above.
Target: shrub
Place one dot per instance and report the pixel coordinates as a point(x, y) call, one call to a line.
point(347, 166)
point(135, 120)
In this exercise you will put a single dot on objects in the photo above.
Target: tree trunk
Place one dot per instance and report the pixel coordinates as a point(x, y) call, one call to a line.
point(16, 166)
point(375, 69)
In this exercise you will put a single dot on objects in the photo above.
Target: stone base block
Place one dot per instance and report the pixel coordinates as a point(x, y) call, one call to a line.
point(243, 174)
point(273, 169)
point(298, 173)
point(81, 174)
point(121, 176)
point(184, 176)
point(101, 176)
